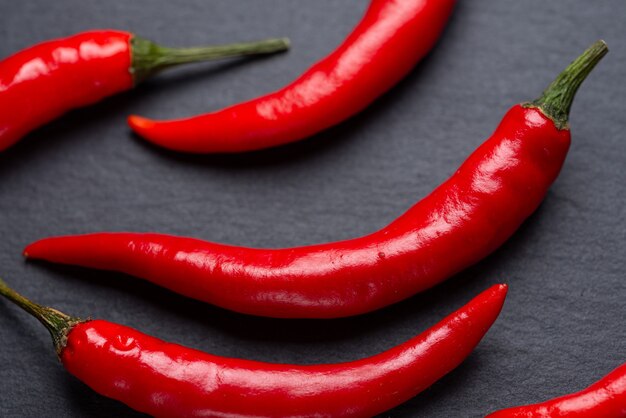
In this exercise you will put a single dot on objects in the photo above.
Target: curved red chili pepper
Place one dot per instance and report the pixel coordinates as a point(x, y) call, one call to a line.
point(604, 399)
point(44, 81)
point(390, 39)
point(169, 380)
point(461, 222)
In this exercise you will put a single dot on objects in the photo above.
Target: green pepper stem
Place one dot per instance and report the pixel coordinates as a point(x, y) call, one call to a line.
point(57, 323)
point(149, 58)
point(556, 100)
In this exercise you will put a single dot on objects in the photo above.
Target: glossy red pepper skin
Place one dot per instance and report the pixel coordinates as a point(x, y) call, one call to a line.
point(390, 39)
point(43, 82)
point(604, 399)
point(458, 224)
point(169, 380)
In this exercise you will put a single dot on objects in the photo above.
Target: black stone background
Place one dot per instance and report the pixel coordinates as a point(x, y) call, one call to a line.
point(563, 325)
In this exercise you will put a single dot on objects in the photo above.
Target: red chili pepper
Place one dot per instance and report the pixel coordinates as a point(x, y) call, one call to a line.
point(604, 399)
point(169, 380)
point(390, 39)
point(461, 222)
point(44, 81)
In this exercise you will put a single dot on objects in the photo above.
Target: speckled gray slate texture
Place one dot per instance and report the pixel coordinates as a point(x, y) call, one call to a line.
point(563, 325)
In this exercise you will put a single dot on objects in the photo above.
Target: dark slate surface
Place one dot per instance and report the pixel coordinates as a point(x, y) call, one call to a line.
point(563, 324)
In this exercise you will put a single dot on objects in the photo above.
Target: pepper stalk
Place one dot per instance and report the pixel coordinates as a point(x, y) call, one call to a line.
point(148, 58)
point(556, 100)
point(58, 324)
